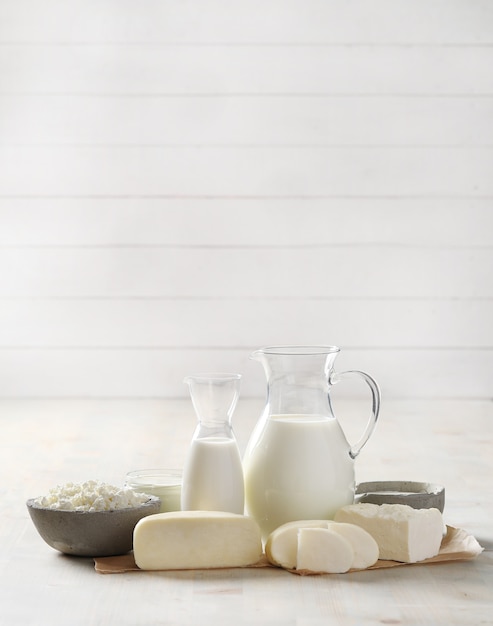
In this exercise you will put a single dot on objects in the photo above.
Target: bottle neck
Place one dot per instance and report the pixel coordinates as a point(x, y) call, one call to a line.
point(214, 398)
point(220, 430)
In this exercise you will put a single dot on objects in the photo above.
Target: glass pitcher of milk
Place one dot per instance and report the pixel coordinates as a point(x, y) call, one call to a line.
point(213, 471)
point(298, 463)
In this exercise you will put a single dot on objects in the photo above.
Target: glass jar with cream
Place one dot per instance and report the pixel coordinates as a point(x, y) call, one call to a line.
point(163, 483)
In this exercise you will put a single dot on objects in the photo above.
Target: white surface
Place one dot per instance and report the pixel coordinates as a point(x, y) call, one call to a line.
point(258, 171)
point(47, 442)
point(184, 182)
point(397, 21)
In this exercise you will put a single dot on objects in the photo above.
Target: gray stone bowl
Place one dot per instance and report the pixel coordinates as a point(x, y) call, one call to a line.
point(415, 494)
point(90, 533)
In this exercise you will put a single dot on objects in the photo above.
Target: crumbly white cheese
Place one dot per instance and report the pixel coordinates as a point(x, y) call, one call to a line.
point(401, 532)
point(91, 495)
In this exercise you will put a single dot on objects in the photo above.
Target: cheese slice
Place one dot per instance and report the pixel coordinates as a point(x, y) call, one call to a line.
point(281, 547)
point(196, 539)
point(402, 533)
point(365, 548)
point(320, 550)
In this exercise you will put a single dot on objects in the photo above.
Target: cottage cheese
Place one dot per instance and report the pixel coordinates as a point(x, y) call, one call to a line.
point(91, 495)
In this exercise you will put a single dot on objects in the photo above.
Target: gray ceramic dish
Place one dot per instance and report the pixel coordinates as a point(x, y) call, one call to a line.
point(415, 494)
point(90, 533)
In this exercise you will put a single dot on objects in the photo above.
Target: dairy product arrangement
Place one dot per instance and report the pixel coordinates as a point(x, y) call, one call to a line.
point(287, 503)
point(359, 535)
point(211, 539)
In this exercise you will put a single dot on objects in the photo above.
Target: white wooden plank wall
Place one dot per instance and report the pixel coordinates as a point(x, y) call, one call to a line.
point(182, 181)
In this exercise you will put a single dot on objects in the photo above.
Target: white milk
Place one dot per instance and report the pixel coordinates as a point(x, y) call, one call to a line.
point(213, 476)
point(300, 468)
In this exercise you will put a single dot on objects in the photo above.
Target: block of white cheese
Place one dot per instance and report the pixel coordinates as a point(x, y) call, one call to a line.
point(321, 550)
point(402, 533)
point(289, 547)
point(195, 540)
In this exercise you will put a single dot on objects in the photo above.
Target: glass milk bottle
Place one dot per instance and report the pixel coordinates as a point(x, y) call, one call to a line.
point(213, 471)
point(298, 463)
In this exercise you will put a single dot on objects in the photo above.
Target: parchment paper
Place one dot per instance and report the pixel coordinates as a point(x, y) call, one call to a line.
point(457, 545)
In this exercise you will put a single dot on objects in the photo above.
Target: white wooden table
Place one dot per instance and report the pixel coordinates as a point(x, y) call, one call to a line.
point(43, 443)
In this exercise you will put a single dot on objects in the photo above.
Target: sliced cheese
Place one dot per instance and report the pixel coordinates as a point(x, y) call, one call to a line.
point(322, 550)
point(281, 547)
point(401, 532)
point(196, 539)
point(365, 548)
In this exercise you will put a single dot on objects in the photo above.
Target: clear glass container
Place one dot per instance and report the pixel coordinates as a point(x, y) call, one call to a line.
point(298, 463)
point(164, 483)
point(213, 471)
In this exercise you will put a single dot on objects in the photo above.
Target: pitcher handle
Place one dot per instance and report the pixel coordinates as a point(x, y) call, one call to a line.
point(372, 421)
